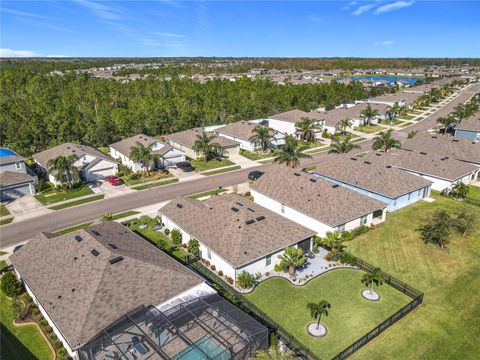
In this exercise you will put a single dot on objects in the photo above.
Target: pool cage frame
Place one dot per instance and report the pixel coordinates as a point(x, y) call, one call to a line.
point(237, 334)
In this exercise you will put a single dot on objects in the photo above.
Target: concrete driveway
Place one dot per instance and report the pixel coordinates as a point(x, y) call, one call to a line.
point(242, 161)
point(25, 204)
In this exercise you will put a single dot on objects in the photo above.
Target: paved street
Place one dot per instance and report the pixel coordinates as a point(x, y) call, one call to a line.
point(23, 230)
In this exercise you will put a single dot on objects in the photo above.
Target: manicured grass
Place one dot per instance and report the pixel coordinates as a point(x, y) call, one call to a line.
point(155, 184)
point(19, 342)
point(157, 175)
point(446, 325)
point(2, 253)
point(219, 171)
point(73, 228)
point(3, 265)
point(124, 214)
point(4, 211)
point(201, 165)
point(78, 202)
point(271, 160)
point(52, 196)
point(207, 193)
point(406, 124)
point(6, 221)
point(350, 315)
point(255, 156)
point(407, 117)
point(369, 129)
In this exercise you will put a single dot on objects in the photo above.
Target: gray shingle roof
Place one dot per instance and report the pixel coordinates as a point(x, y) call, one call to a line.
point(240, 130)
point(187, 138)
point(374, 177)
point(295, 116)
point(10, 159)
point(319, 199)
point(224, 230)
point(14, 177)
point(124, 146)
point(407, 97)
point(333, 117)
point(472, 123)
point(68, 149)
point(83, 293)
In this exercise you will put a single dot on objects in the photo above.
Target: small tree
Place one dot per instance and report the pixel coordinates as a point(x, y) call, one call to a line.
point(459, 190)
point(176, 236)
point(107, 216)
point(465, 220)
point(437, 229)
point(375, 277)
point(10, 285)
point(194, 247)
point(245, 280)
point(291, 259)
point(317, 310)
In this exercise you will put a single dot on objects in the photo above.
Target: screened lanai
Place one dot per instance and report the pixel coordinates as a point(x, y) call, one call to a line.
point(203, 328)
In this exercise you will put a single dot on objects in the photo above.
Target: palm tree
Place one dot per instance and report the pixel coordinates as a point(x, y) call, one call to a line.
point(317, 310)
point(307, 128)
point(342, 147)
point(393, 111)
point(66, 172)
point(368, 114)
point(385, 142)
point(142, 154)
point(459, 190)
point(411, 134)
point(273, 354)
point(446, 122)
point(334, 241)
point(344, 124)
point(261, 135)
point(291, 152)
point(291, 259)
point(203, 144)
point(375, 277)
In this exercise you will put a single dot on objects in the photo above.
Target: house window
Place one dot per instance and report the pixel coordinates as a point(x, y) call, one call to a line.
point(363, 220)
point(419, 192)
point(409, 196)
point(18, 166)
point(268, 260)
point(282, 208)
point(341, 228)
point(209, 254)
point(395, 202)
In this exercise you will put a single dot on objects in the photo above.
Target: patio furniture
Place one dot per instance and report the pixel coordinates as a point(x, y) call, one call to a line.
point(138, 346)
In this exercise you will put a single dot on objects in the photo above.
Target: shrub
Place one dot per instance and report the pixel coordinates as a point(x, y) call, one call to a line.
point(162, 244)
point(348, 259)
point(43, 323)
point(213, 267)
point(48, 329)
point(279, 268)
point(207, 263)
point(329, 256)
point(35, 310)
point(134, 176)
point(107, 216)
point(62, 352)
point(258, 275)
point(167, 231)
point(194, 247)
point(229, 280)
point(52, 337)
point(10, 285)
point(220, 273)
point(58, 345)
point(347, 236)
point(245, 280)
point(176, 237)
point(363, 229)
point(17, 308)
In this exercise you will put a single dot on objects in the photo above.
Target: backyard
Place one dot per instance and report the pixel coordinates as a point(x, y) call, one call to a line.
point(54, 195)
point(350, 315)
point(446, 325)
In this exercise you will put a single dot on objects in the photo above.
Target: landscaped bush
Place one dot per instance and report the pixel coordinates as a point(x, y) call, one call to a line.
point(62, 352)
point(52, 337)
point(213, 267)
point(349, 259)
point(363, 229)
point(48, 329)
point(58, 345)
point(167, 232)
point(347, 236)
point(134, 176)
point(229, 280)
point(17, 308)
point(194, 247)
point(245, 280)
point(207, 263)
point(220, 273)
point(278, 268)
point(10, 285)
point(329, 256)
point(35, 310)
point(43, 323)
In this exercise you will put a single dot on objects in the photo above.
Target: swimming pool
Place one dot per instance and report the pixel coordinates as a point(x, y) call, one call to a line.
point(389, 79)
point(206, 345)
point(6, 152)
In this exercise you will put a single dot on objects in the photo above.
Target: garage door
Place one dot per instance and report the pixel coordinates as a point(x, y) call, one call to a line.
point(14, 193)
point(230, 150)
point(99, 174)
point(173, 160)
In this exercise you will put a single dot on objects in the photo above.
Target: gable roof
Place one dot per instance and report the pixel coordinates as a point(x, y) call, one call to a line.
point(67, 149)
point(295, 116)
point(91, 292)
point(407, 97)
point(14, 177)
point(222, 224)
point(188, 137)
point(333, 117)
point(240, 130)
point(374, 177)
point(470, 124)
point(10, 159)
point(315, 197)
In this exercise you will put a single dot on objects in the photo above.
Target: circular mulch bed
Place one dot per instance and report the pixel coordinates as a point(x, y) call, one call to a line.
point(370, 295)
point(313, 331)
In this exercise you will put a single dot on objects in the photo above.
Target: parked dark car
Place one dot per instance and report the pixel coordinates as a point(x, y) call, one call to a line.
point(185, 166)
point(114, 180)
point(255, 174)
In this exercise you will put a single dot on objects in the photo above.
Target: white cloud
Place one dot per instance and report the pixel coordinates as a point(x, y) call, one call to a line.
point(384, 43)
point(315, 18)
point(362, 9)
point(21, 13)
point(349, 5)
point(101, 10)
point(4, 52)
point(168, 35)
point(172, 44)
point(393, 6)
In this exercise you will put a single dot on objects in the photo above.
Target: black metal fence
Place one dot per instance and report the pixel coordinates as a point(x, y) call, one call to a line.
point(298, 348)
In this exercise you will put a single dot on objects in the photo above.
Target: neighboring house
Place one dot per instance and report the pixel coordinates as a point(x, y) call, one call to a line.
point(234, 233)
point(354, 113)
point(241, 131)
point(393, 186)
point(165, 154)
point(185, 140)
point(115, 291)
point(15, 181)
point(91, 163)
point(469, 128)
point(441, 170)
point(315, 203)
point(402, 99)
point(286, 122)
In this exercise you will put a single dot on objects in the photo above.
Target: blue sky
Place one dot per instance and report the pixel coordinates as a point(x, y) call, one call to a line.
point(381, 28)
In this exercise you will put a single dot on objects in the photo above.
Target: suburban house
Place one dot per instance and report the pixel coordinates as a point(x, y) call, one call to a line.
point(165, 154)
point(441, 170)
point(119, 297)
point(91, 163)
point(234, 233)
point(456, 148)
point(185, 140)
point(402, 99)
point(469, 128)
point(315, 203)
point(15, 180)
point(354, 113)
point(388, 184)
point(241, 131)
point(286, 122)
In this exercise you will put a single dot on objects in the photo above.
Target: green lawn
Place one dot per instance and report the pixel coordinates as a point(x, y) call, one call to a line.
point(157, 175)
point(255, 156)
point(219, 171)
point(24, 342)
point(407, 117)
point(369, 129)
point(207, 193)
point(350, 315)
point(78, 202)
point(4, 211)
point(201, 165)
point(446, 325)
point(473, 196)
point(124, 214)
point(52, 196)
point(6, 221)
point(155, 184)
point(73, 228)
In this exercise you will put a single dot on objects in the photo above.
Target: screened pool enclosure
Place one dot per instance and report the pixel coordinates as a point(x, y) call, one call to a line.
point(203, 328)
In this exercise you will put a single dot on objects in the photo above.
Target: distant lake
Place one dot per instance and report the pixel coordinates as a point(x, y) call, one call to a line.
point(390, 79)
